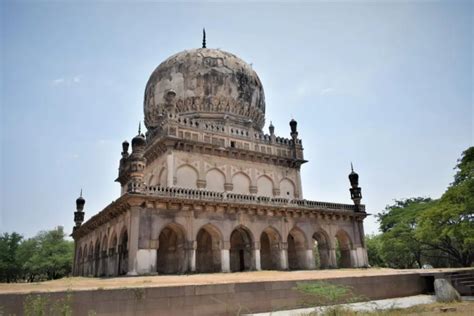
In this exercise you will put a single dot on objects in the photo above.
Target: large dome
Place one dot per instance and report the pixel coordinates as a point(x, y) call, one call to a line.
point(206, 84)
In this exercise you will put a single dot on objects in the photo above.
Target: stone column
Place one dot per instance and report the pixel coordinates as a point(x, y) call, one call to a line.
point(116, 263)
point(310, 264)
point(133, 240)
point(225, 257)
point(191, 255)
point(283, 256)
point(332, 262)
point(256, 256)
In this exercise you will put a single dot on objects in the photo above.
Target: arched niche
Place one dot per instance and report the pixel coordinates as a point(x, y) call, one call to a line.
point(163, 177)
point(186, 177)
point(215, 180)
point(287, 188)
point(264, 186)
point(241, 183)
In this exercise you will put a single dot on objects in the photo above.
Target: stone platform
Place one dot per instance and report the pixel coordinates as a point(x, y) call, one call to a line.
point(209, 294)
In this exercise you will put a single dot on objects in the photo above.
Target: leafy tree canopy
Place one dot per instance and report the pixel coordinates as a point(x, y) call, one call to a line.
point(48, 255)
point(421, 230)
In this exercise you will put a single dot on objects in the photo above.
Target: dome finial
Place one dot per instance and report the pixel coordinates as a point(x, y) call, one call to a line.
point(203, 38)
point(139, 127)
point(352, 167)
point(81, 193)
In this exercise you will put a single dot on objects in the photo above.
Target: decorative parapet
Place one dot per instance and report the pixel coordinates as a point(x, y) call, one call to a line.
point(139, 193)
point(204, 195)
point(223, 129)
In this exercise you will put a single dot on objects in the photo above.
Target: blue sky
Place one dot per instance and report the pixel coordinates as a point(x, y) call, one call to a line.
point(386, 85)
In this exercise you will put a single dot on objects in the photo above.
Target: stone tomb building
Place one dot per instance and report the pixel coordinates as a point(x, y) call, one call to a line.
point(206, 190)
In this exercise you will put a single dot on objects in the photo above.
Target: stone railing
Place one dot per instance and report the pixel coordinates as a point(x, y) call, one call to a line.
point(232, 131)
point(195, 194)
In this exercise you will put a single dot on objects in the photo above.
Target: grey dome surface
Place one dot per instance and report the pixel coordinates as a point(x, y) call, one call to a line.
point(205, 84)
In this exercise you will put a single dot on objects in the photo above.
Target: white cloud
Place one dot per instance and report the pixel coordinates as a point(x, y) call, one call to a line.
point(326, 91)
point(66, 81)
point(57, 82)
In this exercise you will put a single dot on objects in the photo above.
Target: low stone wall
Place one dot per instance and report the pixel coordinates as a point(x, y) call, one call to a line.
point(216, 299)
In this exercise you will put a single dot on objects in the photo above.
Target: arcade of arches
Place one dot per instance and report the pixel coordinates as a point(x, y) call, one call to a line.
point(217, 247)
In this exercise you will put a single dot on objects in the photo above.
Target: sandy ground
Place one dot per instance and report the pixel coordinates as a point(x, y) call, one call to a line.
point(82, 283)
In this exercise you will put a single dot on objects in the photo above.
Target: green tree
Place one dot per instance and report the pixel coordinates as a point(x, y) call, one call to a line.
point(373, 244)
point(9, 266)
point(398, 222)
point(439, 232)
point(448, 226)
point(52, 256)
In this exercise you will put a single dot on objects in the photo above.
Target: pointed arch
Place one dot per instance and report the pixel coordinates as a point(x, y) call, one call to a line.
point(287, 188)
point(186, 177)
point(90, 259)
point(343, 249)
point(215, 180)
point(112, 254)
point(78, 264)
point(162, 177)
point(321, 249)
point(123, 252)
point(241, 254)
point(241, 183)
point(270, 249)
point(171, 257)
point(265, 186)
point(208, 249)
point(297, 246)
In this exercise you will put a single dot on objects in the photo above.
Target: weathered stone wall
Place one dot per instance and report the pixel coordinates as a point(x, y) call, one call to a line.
point(217, 299)
point(213, 173)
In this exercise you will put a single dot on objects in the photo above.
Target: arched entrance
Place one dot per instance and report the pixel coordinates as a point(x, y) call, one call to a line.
point(269, 249)
point(103, 257)
point(343, 250)
point(97, 258)
point(171, 256)
point(321, 250)
point(90, 260)
point(79, 262)
point(296, 250)
point(123, 254)
point(241, 250)
point(208, 250)
point(113, 256)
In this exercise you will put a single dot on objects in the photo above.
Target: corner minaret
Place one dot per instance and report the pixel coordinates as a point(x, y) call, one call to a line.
point(356, 191)
point(79, 213)
point(203, 38)
point(137, 162)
